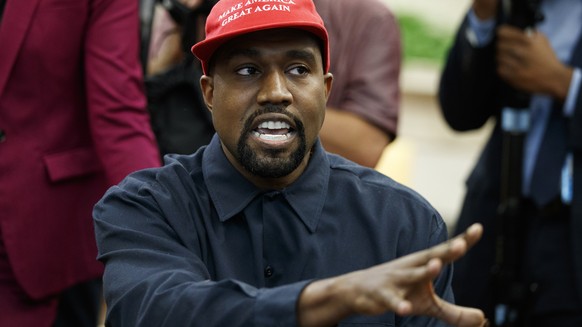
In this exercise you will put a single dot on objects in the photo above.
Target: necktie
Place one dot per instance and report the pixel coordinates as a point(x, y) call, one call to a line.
point(545, 183)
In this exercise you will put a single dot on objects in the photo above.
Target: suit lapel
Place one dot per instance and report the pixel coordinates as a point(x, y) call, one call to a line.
point(15, 22)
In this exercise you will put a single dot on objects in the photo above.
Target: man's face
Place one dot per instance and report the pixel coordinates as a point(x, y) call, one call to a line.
point(267, 93)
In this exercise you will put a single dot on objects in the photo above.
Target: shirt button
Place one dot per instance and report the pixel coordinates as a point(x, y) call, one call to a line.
point(269, 271)
point(2, 136)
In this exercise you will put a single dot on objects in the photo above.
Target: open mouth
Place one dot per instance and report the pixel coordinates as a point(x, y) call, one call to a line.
point(273, 130)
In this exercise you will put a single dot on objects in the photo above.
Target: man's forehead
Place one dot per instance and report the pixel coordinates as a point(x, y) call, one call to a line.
point(292, 41)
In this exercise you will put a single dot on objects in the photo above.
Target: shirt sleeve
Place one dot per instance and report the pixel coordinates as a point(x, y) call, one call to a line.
point(573, 93)
point(479, 32)
point(118, 118)
point(154, 278)
point(372, 91)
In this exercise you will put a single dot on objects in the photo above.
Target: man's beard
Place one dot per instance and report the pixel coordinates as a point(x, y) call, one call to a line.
point(270, 165)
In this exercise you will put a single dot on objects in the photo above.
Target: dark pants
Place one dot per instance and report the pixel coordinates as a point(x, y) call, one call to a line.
point(80, 305)
point(564, 319)
point(546, 261)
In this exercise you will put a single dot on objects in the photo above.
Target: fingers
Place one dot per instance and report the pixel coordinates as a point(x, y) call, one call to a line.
point(460, 316)
point(191, 3)
point(399, 285)
point(447, 251)
point(387, 289)
point(513, 42)
point(382, 300)
point(485, 9)
point(472, 235)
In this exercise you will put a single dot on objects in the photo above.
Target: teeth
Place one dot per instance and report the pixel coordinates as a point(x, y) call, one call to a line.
point(272, 137)
point(274, 125)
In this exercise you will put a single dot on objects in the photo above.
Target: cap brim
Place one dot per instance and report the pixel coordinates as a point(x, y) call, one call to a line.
point(204, 50)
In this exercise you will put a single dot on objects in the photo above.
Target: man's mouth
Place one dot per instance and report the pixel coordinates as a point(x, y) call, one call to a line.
point(273, 130)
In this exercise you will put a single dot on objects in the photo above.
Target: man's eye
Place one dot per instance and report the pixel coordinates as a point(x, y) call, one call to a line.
point(247, 71)
point(299, 70)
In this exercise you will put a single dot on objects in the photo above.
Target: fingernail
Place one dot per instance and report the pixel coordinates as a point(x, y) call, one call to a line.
point(474, 227)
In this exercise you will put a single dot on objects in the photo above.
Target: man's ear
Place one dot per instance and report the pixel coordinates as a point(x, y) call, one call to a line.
point(207, 86)
point(328, 80)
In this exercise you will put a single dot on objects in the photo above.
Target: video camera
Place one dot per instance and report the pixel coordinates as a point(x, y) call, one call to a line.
point(187, 18)
point(181, 13)
point(523, 14)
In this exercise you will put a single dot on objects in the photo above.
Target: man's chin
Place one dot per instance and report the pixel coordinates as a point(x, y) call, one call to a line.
point(271, 167)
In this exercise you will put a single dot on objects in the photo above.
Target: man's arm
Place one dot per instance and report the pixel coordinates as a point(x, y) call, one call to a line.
point(469, 86)
point(403, 286)
point(346, 133)
point(118, 118)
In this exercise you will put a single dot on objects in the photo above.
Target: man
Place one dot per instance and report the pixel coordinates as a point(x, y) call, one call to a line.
point(262, 227)
point(72, 123)
point(545, 64)
point(364, 104)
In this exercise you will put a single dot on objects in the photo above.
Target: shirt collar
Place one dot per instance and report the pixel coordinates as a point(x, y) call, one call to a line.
point(231, 192)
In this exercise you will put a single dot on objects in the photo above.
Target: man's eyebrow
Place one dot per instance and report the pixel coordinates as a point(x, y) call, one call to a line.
point(301, 54)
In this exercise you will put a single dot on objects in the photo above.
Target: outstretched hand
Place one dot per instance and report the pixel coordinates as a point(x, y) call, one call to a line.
point(403, 286)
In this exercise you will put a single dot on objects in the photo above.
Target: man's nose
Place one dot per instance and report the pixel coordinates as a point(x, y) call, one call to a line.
point(275, 89)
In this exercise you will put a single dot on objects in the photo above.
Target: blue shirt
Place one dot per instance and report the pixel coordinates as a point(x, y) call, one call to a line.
point(561, 25)
point(194, 243)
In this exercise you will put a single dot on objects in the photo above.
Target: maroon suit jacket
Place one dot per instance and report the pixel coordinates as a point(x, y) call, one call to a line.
point(72, 110)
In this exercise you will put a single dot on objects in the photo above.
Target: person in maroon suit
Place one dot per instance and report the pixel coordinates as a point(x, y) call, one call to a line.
point(72, 122)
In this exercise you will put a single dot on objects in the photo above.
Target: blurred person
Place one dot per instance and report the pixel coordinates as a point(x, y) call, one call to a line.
point(363, 107)
point(179, 117)
point(72, 123)
point(262, 227)
point(544, 63)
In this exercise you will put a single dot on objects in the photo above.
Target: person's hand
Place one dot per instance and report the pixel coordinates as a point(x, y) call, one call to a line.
point(403, 286)
point(485, 9)
point(526, 61)
point(191, 3)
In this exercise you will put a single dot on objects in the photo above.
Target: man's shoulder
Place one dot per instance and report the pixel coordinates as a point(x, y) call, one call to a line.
point(369, 178)
point(380, 194)
point(175, 167)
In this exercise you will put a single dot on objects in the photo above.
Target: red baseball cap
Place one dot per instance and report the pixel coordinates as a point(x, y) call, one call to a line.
point(231, 18)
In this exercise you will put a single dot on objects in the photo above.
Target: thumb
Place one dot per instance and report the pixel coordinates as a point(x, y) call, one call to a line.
point(459, 316)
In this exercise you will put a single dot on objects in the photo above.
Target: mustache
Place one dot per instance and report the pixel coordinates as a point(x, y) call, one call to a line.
point(272, 108)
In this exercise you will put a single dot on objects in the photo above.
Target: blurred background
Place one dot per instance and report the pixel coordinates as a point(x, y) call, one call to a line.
point(427, 155)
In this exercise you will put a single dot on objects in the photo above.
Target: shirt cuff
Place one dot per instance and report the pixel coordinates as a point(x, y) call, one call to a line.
point(573, 93)
point(479, 32)
point(278, 306)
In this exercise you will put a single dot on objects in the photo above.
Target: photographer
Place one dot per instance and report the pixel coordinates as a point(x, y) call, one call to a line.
point(180, 119)
point(544, 62)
